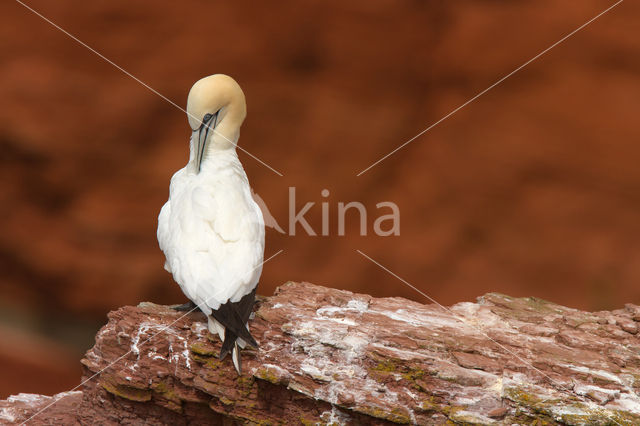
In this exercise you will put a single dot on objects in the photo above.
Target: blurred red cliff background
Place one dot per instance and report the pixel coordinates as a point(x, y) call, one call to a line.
point(533, 189)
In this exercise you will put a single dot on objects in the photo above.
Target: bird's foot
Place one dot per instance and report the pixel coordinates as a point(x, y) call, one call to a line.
point(185, 307)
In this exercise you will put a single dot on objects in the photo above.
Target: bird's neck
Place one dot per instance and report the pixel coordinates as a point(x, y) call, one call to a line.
point(220, 152)
point(224, 136)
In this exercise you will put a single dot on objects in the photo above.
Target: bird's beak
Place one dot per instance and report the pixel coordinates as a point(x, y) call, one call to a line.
point(208, 125)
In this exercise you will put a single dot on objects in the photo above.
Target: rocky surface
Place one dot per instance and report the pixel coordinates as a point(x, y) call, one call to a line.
point(333, 356)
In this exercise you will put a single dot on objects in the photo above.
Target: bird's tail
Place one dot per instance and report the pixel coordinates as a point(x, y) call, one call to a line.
point(230, 322)
point(233, 322)
point(232, 343)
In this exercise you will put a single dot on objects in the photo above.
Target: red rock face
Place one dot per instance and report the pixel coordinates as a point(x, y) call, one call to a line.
point(530, 190)
point(331, 356)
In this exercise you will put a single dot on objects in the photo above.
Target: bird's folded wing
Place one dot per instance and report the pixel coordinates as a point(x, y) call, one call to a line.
point(229, 241)
point(224, 209)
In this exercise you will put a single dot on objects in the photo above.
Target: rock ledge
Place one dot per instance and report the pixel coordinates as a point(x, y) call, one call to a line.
point(331, 356)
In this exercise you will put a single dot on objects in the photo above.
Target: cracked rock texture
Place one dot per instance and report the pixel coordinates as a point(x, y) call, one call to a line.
point(332, 356)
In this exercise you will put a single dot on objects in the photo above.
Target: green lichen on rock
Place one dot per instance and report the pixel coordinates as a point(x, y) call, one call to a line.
point(210, 362)
point(268, 375)
point(127, 392)
point(430, 405)
point(580, 413)
point(167, 392)
point(246, 385)
point(622, 418)
point(569, 411)
point(225, 401)
point(530, 403)
point(396, 415)
point(200, 349)
point(414, 374)
point(386, 366)
point(521, 396)
point(456, 414)
point(526, 398)
point(306, 422)
point(253, 421)
point(407, 372)
point(635, 380)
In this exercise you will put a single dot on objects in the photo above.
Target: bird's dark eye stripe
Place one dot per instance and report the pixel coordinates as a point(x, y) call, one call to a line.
point(207, 117)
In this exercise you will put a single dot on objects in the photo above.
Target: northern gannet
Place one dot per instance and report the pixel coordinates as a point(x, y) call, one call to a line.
point(211, 230)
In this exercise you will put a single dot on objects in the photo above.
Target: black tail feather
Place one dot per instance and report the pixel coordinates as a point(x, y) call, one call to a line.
point(227, 345)
point(228, 316)
point(245, 305)
point(234, 318)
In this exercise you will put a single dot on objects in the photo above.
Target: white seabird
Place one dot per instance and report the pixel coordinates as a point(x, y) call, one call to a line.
point(211, 230)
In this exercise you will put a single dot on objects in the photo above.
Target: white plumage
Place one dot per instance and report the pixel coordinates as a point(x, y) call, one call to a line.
point(212, 233)
point(211, 230)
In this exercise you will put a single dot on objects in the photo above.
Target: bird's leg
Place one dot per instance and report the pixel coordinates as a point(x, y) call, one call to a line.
point(185, 307)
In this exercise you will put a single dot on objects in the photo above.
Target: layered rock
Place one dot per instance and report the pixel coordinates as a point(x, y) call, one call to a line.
point(332, 356)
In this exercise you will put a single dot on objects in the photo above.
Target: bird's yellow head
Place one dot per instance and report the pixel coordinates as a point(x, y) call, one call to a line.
point(216, 108)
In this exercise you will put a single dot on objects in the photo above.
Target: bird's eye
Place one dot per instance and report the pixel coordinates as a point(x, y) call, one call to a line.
point(207, 117)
